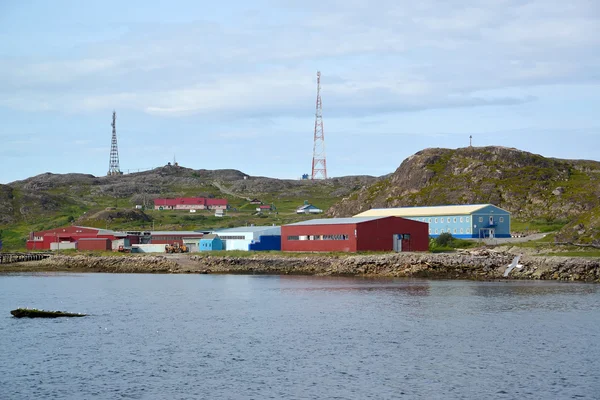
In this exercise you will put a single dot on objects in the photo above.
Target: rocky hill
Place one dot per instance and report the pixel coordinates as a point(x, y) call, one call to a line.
point(528, 185)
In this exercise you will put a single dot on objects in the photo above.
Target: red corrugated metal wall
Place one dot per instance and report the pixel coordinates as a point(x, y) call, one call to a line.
point(318, 245)
point(94, 244)
point(376, 235)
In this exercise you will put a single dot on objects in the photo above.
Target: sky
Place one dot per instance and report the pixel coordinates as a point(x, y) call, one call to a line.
point(233, 84)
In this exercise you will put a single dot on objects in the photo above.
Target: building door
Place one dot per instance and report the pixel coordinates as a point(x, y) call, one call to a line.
point(397, 243)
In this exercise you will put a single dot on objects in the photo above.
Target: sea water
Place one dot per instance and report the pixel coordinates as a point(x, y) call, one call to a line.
point(292, 337)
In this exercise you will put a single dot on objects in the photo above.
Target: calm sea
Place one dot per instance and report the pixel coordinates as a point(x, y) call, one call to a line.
point(275, 337)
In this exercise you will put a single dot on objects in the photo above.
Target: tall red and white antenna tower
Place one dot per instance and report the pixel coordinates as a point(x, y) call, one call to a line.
point(319, 164)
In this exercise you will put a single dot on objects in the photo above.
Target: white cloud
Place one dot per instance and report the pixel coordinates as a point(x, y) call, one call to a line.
point(379, 56)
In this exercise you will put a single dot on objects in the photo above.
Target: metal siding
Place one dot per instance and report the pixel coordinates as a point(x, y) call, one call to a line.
point(94, 244)
point(373, 235)
point(378, 235)
point(502, 230)
point(318, 245)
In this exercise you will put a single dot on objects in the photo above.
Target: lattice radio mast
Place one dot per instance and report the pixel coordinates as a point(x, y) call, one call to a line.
point(319, 163)
point(113, 167)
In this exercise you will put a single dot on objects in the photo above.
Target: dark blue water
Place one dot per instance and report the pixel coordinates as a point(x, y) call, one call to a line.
point(270, 337)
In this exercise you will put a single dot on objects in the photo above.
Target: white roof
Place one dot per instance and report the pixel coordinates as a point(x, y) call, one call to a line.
point(245, 229)
point(336, 221)
point(175, 233)
point(424, 211)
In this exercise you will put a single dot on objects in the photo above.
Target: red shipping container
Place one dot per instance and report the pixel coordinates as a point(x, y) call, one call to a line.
point(94, 244)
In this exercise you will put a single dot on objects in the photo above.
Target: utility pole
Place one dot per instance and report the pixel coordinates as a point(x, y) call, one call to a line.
point(319, 163)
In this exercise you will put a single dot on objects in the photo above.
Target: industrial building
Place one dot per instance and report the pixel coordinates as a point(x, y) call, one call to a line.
point(462, 221)
point(68, 238)
point(190, 203)
point(355, 234)
point(241, 238)
point(174, 237)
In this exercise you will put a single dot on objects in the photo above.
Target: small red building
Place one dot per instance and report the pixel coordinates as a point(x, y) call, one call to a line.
point(356, 234)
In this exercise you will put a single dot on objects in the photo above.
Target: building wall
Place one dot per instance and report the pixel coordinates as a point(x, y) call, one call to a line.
point(491, 217)
point(97, 244)
point(459, 226)
point(266, 243)
point(240, 240)
point(375, 235)
point(173, 238)
point(469, 225)
point(211, 244)
point(310, 237)
point(236, 240)
point(148, 248)
point(378, 235)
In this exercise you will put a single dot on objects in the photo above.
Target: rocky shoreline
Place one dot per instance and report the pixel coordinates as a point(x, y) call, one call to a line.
point(481, 264)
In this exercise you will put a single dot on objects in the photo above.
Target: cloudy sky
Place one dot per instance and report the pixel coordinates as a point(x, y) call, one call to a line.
point(233, 84)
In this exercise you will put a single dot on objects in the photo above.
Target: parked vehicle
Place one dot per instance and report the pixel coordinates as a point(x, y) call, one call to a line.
point(176, 248)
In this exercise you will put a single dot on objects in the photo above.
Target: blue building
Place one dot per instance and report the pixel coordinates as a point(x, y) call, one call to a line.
point(210, 242)
point(267, 242)
point(462, 221)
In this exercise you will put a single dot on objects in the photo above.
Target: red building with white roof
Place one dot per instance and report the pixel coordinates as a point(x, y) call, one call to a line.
point(356, 234)
point(190, 203)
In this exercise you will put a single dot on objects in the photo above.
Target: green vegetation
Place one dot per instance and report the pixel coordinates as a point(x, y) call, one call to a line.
point(447, 242)
point(543, 225)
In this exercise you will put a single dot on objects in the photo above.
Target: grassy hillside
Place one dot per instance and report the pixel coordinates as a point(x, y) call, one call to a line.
point(48, 201)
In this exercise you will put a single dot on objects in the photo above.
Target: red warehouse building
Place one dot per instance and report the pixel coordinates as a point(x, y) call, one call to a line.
point(356, 234)
point(43, 240)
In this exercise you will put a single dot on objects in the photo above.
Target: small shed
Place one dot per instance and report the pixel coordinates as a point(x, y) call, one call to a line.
point(211, 242)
